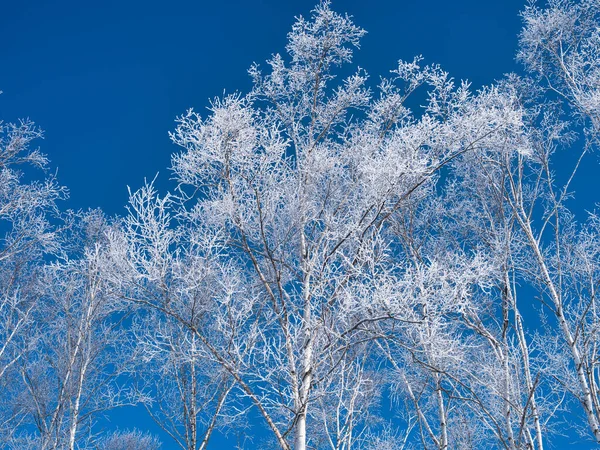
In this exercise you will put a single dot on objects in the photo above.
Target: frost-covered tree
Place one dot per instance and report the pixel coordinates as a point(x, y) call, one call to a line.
point(560, 44)
point(182, 389)
point(24, 205)
point(129, 440)
point(283, 224)
point(27, 205)
point(69, 373)
point(357, 271)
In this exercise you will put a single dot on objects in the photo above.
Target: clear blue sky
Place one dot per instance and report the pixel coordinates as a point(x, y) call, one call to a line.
point(106, 79)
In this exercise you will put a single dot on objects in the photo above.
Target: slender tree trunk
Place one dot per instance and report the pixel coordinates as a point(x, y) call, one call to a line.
point(443, 442)
point(585, 393)
point(507, 402)
point(503, 352)
point(307, 356)
point(76, 408)
point(526, 366)
point(306, 380)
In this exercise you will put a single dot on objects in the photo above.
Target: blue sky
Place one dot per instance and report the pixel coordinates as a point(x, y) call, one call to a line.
point(106, 79)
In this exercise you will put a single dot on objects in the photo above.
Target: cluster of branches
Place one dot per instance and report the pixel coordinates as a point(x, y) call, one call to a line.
point(353, 270)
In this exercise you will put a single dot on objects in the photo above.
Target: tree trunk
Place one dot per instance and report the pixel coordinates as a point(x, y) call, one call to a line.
point(585, 393)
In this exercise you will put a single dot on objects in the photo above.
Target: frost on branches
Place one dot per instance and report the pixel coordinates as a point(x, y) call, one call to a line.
point(300, 249)
point(355, 270)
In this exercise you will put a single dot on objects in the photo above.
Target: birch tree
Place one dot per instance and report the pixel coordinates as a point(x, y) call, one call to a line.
point(69, 376)
point(559, 45)
point(182, 389)
point(286, 196)
point(27, 204)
